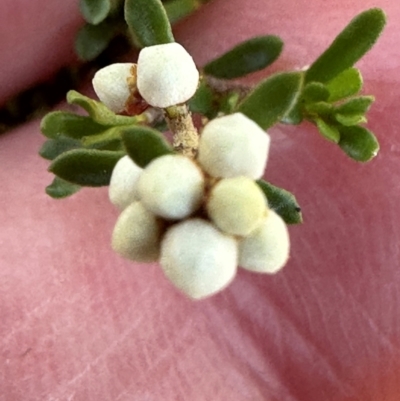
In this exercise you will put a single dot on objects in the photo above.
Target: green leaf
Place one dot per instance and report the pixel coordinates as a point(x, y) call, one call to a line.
point(349, 46)
point(272, 99)
point(54, 147)
point(86, 167)
point(144, 144)
point(99, 112)
point(60, 188)
point(72, 125)
point(315, 92)
point(352, 119)
point(347, 83)
point(295, 115)
point(357, 105)
point(203, 100)
point(148, 22)
point(282, 202)
point(93, 40)
point(245, 58)
point(359, 143)
point(323, 109)
point(329, 131)
point(95, 11)
point(352, 112)
point(179, 9)
point(110, 139)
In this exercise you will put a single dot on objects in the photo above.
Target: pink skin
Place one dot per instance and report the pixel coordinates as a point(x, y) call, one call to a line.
point(79, 323)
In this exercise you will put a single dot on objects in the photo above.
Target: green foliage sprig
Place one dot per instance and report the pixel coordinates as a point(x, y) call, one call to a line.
point(84, 149)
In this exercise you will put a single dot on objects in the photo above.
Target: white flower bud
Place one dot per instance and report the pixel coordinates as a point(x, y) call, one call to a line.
point(171, 186)
point(111, 85)
point(166, 75)
point(266, 250)
point(236, 205)
point(198, 258)
point(137, 234)
point(233, 145)
point(123, 184)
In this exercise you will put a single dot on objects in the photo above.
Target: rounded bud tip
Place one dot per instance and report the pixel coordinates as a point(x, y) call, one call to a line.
point(171, 186)
point(111, 85)
point(236, 205)
point(198, 258)
point(137, 233)
point(232, 146)
point(266, 250)
point(166, 75)
point(123, 184)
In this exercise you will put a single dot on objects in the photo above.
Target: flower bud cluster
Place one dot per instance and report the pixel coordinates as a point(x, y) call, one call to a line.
point(165, 75)
point(201, 218)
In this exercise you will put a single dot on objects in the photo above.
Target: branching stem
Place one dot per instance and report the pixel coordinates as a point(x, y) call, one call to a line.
point(185, 135)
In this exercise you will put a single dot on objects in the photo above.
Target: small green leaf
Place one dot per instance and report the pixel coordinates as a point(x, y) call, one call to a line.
point(315, 92)
point(357, 105)
point(351, 119)
point(252, 55)
point(95, 11)
point(295, 115)
point(148, 22)
point(54, 147)
point(203, 100)
point(93, 40)
point(98, 112)
point(349, 46)
point(359, 143)
point(60, 188)
point(319, 109)
point(352, 112)
point(72, 125)
point(86, 167)
point(228, 103)
point(110, 139)
point(179, 9)
point(347, 83)
point(282, 202)
point(272, 99)
point(144, 144)
point(329, 131)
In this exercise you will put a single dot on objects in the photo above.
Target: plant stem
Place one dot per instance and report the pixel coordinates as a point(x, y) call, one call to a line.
point(185, 135)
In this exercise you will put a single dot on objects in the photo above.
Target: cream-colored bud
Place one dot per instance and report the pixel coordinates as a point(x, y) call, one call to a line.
point(236, 205)
point(111, 85)
point(166, 75)
point(198, 258)
point(122, 190)
point(233, 145)
point(266, 250)
point(137, 234)
point(171, 186)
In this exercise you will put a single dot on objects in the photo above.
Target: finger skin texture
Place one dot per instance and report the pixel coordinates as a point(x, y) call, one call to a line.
point(79, 323)
point(36, 39)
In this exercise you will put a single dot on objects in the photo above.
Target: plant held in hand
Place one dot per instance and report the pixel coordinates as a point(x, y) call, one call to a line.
point(199, 205)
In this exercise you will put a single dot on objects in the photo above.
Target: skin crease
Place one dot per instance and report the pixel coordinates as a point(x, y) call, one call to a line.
point(79, 323)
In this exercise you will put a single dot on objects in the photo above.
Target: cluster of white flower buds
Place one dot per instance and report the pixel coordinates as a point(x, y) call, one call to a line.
point(199, 218)
point(115, 85)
